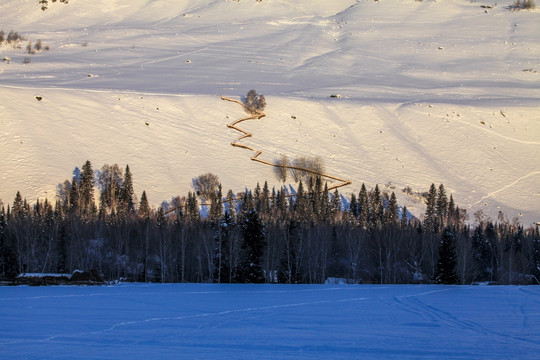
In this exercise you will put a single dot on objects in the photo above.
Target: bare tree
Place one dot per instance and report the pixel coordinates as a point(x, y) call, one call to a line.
point(281, 168)
point(306, 168)
point(205, 185)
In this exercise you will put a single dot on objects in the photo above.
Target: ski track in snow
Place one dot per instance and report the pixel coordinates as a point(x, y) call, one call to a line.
point(436, 315)
point(225, 312)
point(491, 194)
point(178, 318)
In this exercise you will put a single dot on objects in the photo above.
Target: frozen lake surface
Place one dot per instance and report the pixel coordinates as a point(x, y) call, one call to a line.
point(207, 321)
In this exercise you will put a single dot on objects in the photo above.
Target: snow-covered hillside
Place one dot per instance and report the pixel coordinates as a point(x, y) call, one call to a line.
point(431, 91)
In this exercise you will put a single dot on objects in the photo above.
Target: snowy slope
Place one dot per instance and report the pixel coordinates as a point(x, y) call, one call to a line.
point(431, 91)
point(213, 321)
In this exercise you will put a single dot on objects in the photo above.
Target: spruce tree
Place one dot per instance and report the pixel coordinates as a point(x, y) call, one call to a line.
point(126, 192)
point(8, 259)
point(222, 254)
point(231, 204)
point(325, 204)
point(281, 203)
point(265, 200)
point(391, 214)
point(257, 198)
point(316, 197)
point(493, 241)
point(74, 196)
point(250, 269)
point(441, 207)
point(481, 249)
point(144, 207)
point(17, 209)
point(302, 207)
point(376, 210)
point(535, 264)
point(452, 212)
point(290, 271)
point(87, 189)
point(446, 265)
point(363, 207)
point(62, 249)
point(247, 203)
point(353, 207)
point(430, 217)
point(335, 206)
point(404, 220)
point(216, 205)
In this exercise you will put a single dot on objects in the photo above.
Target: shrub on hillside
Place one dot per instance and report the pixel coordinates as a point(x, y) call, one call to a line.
point(45, 3)
point(524, 4)
point(13, 37)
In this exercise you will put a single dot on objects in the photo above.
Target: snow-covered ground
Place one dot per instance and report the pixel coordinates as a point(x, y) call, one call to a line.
point(431, 91)
point(202, 321)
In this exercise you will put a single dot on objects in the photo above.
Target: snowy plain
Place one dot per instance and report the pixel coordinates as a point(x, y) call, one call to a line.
point(431, 92)
point(205, 321)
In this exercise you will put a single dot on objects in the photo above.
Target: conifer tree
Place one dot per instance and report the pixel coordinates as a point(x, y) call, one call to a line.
point(8, 259)
point(17, 209)
point(376, 210)
point(430, 217)
point(302, 207)
point(74, 196)
point(404, 220)
point(325, 203)
point(126, 193)
point(452, 212)
point(250, 269)
point(216, 205)
point(446, 265)
point(335, 205)
point(492, 239)
point(535, 265)
point(363, 207)
point(265, 200)
point(232, 206)
point(481, 249)
point(62, 250)
point(281, 203)
point(192, 207)
point(257, 198)
point(290, 265)
point(222, 254)
point(441, 207)
point(316, 198)
point(87, 189)
point(353, 207)
point(391, 214)
point(144, 207)
point(248, 202)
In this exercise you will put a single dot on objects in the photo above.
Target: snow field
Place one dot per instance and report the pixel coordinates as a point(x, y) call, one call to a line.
point(270, 321)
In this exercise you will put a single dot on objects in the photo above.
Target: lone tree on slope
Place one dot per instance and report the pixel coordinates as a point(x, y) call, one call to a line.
point(254, 102)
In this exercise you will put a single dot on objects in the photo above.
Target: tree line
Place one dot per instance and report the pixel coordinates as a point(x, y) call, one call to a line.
point(258, 236)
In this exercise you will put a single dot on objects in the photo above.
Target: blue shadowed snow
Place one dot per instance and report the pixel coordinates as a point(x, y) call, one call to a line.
point(270, 322)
